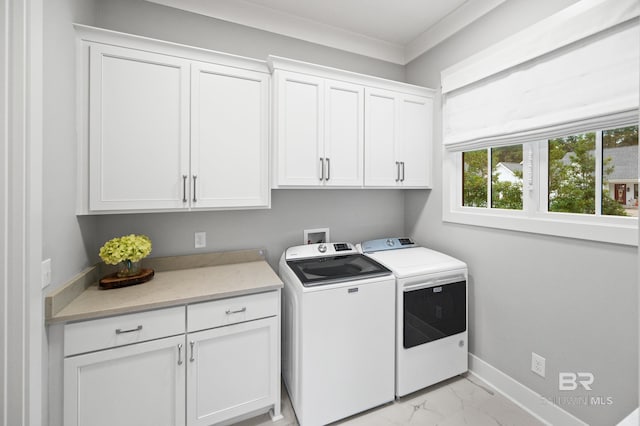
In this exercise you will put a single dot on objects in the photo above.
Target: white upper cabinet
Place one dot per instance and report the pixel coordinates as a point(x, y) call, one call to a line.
point(139, 129)
point(336, 128)
point(398, 139)
point(343, 134)
point(415, 140)
point(318, 131)
point(229, 137)
point(167, 127)
point(299, 129)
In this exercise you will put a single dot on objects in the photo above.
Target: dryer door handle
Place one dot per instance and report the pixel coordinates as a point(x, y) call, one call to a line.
point(434, 283)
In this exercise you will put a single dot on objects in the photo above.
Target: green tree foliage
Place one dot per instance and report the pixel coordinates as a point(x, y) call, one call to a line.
point(474, 183)
point(504, 194)
point(624, 136)
point(572, 178)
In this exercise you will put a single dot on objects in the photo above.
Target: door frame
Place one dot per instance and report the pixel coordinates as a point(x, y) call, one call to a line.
point(21, 322)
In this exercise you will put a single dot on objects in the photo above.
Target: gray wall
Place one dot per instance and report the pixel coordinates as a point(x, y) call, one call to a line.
point(63, 232)
point(351, 215)
point(573, 302)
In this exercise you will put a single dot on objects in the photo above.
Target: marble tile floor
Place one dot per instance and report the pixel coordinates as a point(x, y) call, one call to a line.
point(463, 400)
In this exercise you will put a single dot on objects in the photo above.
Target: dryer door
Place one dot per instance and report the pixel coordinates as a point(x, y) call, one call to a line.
point(433, 312)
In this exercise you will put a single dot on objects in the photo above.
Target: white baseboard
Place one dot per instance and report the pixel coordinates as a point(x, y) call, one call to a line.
point(530, 401)
point(633, 419)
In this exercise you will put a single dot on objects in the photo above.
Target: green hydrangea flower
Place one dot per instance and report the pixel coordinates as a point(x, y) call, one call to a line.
point(128, 247)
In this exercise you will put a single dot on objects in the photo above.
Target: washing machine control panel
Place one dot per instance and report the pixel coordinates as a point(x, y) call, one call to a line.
point(319, 250)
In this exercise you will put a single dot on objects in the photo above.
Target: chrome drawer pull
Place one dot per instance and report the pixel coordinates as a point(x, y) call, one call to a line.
point(191, 343)
point(229, 311)
point(397, 171)
point(121, 331)
point(184, 188)
point(321, 168)
point(179, 353)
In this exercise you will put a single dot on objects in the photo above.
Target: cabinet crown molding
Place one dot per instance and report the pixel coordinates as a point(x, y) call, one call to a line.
point(91, 34)
point(287, 64)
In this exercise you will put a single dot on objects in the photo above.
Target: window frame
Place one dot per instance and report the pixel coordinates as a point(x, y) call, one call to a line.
point(534, 216)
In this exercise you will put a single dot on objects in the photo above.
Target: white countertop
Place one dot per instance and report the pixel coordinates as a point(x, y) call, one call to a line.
point(171, 288)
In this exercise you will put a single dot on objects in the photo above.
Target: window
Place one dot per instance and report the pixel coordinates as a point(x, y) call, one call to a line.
point(505, 186)
point(540, 132)
point(573, 176)
point(581, 178)
point(620, 171)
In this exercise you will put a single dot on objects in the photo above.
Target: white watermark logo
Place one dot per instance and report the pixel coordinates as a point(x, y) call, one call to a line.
point(569, 381)
point(580, 381)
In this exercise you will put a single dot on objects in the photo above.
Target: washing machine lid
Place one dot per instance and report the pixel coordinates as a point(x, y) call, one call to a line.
point(415, 261)
point(325, 270)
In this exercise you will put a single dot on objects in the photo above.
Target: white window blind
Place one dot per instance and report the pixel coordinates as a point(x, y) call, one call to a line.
point(577, 69)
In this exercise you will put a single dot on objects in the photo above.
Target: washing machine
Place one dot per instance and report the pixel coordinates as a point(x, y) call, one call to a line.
point(431, 312)
point(338, 334)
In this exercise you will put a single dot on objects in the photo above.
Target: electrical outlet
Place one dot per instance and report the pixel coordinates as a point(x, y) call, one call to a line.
point(537, 364)
point(46, 272)
point(200, 239)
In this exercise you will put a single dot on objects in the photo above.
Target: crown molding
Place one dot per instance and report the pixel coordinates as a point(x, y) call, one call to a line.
point(463, 16)
point(268, 19)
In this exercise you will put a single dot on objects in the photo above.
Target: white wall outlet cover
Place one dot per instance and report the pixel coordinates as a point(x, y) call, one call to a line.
point(200, 239)
point(538, 364)
point(46, 272)
point(314, 236)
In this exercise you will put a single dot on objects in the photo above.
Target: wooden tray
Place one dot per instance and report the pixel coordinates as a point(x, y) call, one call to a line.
point(113, 281)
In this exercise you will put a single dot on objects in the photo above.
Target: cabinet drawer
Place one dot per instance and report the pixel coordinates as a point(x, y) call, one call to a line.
point(87, 336)
point(218, 313)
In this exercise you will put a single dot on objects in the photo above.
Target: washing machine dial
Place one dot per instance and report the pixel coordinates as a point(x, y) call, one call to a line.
point(322, 248)
point(390, 242)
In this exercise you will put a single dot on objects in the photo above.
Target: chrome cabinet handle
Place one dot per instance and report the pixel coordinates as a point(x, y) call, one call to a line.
point(328, 168)
point(229, 311)
point(397, 171)
point(184, 188)
point(402, 163)
point(179, 353)
point(321, 168)
point(131, 330)
point(194, 188)
point(192, 358)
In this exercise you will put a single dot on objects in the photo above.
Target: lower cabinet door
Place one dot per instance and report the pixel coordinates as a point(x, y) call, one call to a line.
point(232, 371)
point(136, 385)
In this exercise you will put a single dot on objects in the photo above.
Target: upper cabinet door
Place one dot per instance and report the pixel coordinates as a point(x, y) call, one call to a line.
point(299, 130)
point(415, 141)
point(343, 134)
point(138, 129)
point(382, 167)
point(398, 137)
point(229, 137)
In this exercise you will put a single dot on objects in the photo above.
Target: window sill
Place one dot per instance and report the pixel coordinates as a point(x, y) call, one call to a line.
point(614, 230)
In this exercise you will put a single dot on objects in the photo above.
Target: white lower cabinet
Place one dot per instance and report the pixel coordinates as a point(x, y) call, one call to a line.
point(135, 385)
point(232, 370)
point(153, 369)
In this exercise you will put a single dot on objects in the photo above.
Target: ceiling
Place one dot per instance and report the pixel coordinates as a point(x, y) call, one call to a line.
point(396, 31)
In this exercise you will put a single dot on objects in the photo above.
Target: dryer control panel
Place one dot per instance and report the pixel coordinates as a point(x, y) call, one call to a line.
point(386, 244)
